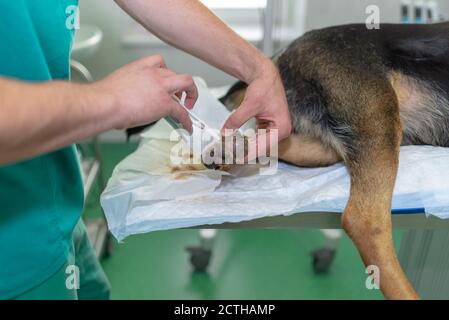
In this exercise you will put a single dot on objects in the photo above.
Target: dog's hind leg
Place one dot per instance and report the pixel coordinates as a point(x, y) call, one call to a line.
point(305, 151)
point(367, 220)
point(373, 165)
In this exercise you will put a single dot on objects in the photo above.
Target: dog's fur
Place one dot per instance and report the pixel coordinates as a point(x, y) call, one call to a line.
point(356, 95)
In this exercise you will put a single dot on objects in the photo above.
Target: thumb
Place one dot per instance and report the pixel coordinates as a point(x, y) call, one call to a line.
point(239, 117)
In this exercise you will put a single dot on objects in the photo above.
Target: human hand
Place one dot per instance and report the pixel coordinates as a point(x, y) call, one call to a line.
point(266, 101)
point(142, 92)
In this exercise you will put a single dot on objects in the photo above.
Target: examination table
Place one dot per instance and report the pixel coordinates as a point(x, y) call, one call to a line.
point(140, 198)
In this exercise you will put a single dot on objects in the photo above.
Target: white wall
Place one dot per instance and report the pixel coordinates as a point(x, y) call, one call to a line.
point(323, 13)
point(444, 8)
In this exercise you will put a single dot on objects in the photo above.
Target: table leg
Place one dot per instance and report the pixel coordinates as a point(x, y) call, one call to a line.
point(424, 255)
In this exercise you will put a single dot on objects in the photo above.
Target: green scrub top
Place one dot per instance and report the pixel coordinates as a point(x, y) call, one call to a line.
point(40, 199)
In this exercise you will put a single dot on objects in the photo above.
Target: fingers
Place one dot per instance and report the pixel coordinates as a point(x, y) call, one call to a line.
point(180, 114)
point(177, 84)
point(182, 83)
point(164, 73)
point(173, 83)
point(284, 127)
point(280, 122)
point(155, 61)
point(239, 117)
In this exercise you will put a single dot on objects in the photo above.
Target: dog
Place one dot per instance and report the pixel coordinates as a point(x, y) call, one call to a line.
point(356, 95)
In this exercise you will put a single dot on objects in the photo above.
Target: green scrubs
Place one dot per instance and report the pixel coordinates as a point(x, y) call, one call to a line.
point(90, 278)
point(41, 199)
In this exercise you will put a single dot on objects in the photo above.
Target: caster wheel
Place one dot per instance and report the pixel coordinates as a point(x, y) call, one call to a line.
point(199, 258)
point(322, 260)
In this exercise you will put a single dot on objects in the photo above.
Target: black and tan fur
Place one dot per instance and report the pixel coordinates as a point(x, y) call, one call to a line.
point(357, 95)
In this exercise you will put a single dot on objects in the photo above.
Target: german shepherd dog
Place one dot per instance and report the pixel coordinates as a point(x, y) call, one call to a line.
point(357, 95)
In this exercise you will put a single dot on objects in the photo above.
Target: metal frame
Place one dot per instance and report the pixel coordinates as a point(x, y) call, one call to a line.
point(92, 170)
point(268, 29)
point(424, 255)
point(323, 220)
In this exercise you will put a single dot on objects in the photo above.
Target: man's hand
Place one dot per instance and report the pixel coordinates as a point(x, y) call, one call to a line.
point(36, 118)
point(265, 99)
point(143, 91)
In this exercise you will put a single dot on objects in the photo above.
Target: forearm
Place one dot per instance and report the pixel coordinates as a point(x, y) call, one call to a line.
point(190, 26)
point(39, 118)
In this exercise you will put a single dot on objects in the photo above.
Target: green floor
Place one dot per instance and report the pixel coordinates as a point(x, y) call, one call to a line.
point(249, 264)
